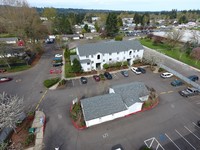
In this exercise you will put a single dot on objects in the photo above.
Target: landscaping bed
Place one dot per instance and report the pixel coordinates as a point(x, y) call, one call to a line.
point(76, 115)
point(22, 139)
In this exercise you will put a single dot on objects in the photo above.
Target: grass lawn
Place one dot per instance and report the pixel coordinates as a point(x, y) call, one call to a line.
point(174, 53)
point(68, 70)
point(18, 68)
point(6, 35)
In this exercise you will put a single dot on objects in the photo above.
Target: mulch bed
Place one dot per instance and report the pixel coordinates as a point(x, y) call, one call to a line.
point(18, 139)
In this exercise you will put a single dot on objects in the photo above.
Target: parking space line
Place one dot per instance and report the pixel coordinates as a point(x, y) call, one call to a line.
point(192, 133)
point(195, 125)
point(185, 139)
point(170, 91)
point(73, 82)
point(172, 141)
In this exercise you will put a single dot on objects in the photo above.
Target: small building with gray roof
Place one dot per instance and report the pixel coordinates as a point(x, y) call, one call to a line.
point(121, 101)
point(108, 52)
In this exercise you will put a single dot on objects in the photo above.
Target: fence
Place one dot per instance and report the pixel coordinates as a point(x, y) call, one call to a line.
point(180, 76)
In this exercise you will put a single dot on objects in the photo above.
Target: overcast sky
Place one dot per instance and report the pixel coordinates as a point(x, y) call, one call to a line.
point(133, 5)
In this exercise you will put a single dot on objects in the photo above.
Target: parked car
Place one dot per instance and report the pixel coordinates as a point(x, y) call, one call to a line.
point(108, 75)
point(142, 70)
point(177, 82)
point(5, 79)
point(193, 78)
point(2, 70)
point(83, 80)
point(117, 147)
point(55, 71)
point(190, 91)
point(166, 75)
point(58, 55)
point(124, 73)
point(135, 70)
point(57, 64)
point(96, 78)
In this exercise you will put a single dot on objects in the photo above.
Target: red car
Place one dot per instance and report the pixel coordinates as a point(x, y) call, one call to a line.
point(55, 71)
point(5, 79)
point(96, 78)
point(2, 70)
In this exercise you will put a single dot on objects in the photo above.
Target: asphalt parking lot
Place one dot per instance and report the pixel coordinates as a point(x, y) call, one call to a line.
point(186, 137)
point(175, 112)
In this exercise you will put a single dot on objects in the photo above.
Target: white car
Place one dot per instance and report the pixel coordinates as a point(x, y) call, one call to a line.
point(136, 70)
point(166, 75)
point(58, 55)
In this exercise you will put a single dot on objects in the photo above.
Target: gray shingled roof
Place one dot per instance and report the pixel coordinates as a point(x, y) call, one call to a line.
point(72, 57)
point(131, 92)
point(99, 106)
point(109, 47)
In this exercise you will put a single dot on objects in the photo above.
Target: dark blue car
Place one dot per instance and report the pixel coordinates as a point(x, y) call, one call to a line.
point(176, 83)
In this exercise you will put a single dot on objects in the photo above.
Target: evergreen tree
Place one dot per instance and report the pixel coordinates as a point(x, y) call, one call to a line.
point(119, 22)
point(137, 18)
point(76, 67)
point(111, 25)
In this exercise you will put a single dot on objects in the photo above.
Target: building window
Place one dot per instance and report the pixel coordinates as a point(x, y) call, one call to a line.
point(87, 56)
point(130, 53)
point(104, 60)
point(133, 56)
point(117, 52)
point(92, 56)
point(88, 69)
point(110, 53)
point(110, 59)
point(134, 51)
point(92, 62)
point(137, 56)
point(88, 63)
point(98, 56)
point(92, 67)
point(138, 50)
point(124, 58)
point(117, 58)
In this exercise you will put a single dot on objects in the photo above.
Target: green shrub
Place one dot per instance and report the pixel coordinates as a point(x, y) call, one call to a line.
point(137, 61)
point(106, 66)
point(160, 69)
point(118, 64)
point(125, 63)
point(50, 82)
point(102, 77)
point(30, 139)
point(119, 38)
point(62, 82)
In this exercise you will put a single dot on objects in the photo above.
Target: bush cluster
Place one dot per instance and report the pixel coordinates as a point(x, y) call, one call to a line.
point(50, 82)
point(30, 139)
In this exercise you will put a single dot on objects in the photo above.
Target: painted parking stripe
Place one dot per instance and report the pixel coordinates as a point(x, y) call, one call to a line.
point(195, 125)
point(185, 139)
point(192, 133)
point(170, 91)
point(172, 141)
point(73, 82)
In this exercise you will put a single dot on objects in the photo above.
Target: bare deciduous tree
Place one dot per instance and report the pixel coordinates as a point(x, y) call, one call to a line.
point(195, 37)
point(174, 37)
point(10, 108)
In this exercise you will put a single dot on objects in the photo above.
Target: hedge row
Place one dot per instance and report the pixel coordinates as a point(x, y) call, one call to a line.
point(50, 82)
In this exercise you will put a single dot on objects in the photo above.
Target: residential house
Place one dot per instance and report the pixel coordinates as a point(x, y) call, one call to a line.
point(121, 101)
point(94, 56)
